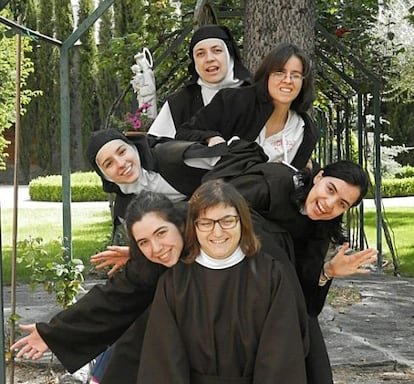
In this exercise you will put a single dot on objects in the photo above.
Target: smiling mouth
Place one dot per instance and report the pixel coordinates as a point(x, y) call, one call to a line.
point(320, 208)
point(127, 171)
point(222, 241)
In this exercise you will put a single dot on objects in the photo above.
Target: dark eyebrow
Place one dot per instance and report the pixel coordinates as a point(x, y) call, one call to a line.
point(336, 191)
point(121, 146)
point(153, 233)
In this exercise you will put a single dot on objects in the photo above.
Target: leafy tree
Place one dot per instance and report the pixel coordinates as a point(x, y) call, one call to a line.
point(47, 127)
point(30, 118)
point(8, 81)
point(107, 89)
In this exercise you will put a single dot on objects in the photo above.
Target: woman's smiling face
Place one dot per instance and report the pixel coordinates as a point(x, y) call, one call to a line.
point(158, 239)
point(219, 243)
point(330, 197)
point(119, 162)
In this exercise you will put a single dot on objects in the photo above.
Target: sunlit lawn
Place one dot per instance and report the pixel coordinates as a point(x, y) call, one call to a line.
point(91, 229)
point(401, 224)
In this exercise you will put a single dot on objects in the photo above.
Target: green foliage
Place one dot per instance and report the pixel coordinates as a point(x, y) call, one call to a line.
point(396, 187)
point(60, 277)
point(46, 130)
point(401, 117)
point(87, 75)
point(8, 81)
point(406, 171)
point(86, 186)
point(91, 229)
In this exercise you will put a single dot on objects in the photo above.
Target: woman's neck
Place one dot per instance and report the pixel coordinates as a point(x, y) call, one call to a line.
point(277, 120)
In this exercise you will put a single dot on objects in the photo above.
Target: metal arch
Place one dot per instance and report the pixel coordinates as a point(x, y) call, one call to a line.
point(376, 85)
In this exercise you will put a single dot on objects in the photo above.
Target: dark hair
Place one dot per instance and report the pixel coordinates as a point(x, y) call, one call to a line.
point(150, 202)
point(351, 173)
point(275, 60)
point(220, 32)
point(208, 195)
point(345, 170)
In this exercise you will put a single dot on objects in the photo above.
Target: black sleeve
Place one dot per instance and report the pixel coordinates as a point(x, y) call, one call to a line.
point(205, 123)
point(79, 333)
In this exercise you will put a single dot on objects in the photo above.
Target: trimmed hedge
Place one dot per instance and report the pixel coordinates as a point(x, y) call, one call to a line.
point(395, 188)
point(85, 186)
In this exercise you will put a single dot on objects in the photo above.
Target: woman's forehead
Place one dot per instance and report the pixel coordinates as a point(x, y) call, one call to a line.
point(208, 43)
point(109, 148)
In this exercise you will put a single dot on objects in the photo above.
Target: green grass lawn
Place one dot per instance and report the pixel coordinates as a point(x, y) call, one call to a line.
point(91, 229)
point(401, 225)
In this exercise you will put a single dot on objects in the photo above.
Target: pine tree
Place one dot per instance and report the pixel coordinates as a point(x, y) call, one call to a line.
point(107, 88)
point(31, 117)
point(87, 85)
point(46, 69)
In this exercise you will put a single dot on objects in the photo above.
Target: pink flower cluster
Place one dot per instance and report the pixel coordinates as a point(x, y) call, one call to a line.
point(139, 119)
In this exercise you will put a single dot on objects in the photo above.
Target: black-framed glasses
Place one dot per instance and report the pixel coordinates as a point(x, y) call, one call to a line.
point(295, 76)
point(226, 222)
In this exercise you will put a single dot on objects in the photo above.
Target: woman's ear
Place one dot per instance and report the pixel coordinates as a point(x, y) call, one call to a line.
point(318, 177)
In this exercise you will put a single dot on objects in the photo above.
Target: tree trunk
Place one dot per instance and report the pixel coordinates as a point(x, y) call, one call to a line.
point(269, 22)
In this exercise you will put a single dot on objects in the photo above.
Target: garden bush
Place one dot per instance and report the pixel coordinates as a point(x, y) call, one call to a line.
point(405, 172)
point(396, 187)
point(85, 186)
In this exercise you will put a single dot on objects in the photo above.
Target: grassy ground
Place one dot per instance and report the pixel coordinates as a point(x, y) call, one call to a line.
point(401, 224)
point(91, 230)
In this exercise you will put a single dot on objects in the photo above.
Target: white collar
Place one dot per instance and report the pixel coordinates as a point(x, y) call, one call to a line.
point(209, 262)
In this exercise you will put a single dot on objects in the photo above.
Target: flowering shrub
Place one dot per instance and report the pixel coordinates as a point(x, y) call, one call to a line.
point(140, 121)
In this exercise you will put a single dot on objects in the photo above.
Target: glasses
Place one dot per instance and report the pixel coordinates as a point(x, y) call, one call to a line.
point(226, 222)
point(281, 75)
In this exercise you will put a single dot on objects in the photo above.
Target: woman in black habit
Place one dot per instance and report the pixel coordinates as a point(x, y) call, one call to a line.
point(215, 63)
point(228, 313)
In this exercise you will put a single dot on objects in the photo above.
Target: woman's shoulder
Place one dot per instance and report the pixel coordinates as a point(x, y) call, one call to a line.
point(246, 91)
point(190, 90)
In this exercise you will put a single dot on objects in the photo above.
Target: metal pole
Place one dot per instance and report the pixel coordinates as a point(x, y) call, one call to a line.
point(65, 121)
point(2, 344)
point(65, 150)
point(15, 198)
point(361, 160)
point(377, 173)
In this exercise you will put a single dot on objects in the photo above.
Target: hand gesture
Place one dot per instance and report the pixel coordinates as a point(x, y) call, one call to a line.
point(343, 264)
point(115, 256)
point(31, 346)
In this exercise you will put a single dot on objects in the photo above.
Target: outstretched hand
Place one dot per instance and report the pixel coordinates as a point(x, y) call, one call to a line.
point(31, 346)
point(343, 264)
point(115, 256)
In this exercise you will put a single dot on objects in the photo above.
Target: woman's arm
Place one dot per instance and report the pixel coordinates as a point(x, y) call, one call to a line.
point(79, 333)
point(206, 123)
